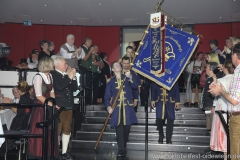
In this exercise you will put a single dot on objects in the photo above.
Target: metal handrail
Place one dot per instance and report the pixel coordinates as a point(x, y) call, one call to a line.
point(225, 126)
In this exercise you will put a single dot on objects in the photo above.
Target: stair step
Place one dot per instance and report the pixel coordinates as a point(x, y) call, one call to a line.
point(199, 116)
point(101, 120)
point(142, 109)
point(185, 148)
point(151, 129)
point(102, 153)
point(135, 136)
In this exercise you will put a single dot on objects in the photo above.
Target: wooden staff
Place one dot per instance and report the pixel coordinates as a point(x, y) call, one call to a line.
point(121, 87)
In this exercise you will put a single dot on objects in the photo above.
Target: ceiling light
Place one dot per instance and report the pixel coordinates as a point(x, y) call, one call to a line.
point(41, 20)
point(23, 17)
point(99, 4)
point(236, 16)
point(183, 19)
point(131, 20)
point(150, 12)
point(82, 20)
point(220, 19)
point(71, 21)
point(111, 20)
point(45, 5)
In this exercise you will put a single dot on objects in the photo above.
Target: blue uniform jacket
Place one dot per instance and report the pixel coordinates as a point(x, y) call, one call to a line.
point(172, 98)
point(138, 81)
point(126, 98)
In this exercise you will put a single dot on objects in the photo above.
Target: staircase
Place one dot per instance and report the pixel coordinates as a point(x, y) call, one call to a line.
point(189, 136)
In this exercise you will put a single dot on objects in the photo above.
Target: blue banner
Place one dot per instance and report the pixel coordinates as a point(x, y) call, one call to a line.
point(179, 47)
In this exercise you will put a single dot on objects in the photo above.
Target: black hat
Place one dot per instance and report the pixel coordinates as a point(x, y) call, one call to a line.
point(34, 51)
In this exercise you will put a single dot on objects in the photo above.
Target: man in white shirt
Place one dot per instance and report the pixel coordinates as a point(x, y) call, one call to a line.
point(70, 52)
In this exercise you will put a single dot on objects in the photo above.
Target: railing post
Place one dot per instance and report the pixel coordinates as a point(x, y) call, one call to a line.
point(45, 134)
point(146, 130)
point(53, 132)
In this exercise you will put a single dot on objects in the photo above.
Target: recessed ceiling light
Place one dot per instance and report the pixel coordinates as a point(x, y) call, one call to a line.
point(99, 4)
point(41, 20)
point(131, 20)
point(111, 20)
point(23, 17)
point(150, 12)
point(236, 16)
point(71, 21)
point(220, 19)
point(45, 5)
point(82, 20)
point(183, 19)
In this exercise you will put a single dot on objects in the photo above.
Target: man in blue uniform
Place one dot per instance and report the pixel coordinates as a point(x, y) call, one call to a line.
point(123, 115)
point(126, 66)
point(165, 102)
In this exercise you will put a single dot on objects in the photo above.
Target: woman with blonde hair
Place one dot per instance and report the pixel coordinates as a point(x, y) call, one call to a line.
point(43, 89)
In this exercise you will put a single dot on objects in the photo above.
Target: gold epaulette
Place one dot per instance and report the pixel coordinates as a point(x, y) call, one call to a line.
point(108, 80)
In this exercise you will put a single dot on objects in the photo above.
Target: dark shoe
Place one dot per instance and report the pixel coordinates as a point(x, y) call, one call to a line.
point(195, 104)
point(65, 156)
point(121, 154)
point(192, 104)
point(169, 141)
point(186, 104)
point(208, 150)
point(160, 141)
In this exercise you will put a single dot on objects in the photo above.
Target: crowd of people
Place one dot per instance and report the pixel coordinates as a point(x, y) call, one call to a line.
point(211, 84)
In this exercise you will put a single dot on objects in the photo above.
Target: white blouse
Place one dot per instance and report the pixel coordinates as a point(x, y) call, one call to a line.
point(37, 82)
point(190, 66)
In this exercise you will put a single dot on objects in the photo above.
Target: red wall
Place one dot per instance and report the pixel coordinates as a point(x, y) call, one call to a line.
point(14, 37)
point(108, 40)
point(22, 39)
point(212, 31)
point(215, 31)
point(1, 32)
point(236, 29)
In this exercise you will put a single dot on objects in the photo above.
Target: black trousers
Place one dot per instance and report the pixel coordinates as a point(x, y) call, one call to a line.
point(144, 94)
point(96, 82)
point(122, 132)
point(169, 129)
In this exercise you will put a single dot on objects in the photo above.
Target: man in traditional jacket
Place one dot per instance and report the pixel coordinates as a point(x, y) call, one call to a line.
point(97, 65)
point(85, 63)
point(123, 115)
point(165, 102)
point(70, 52)
point(64, 83)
